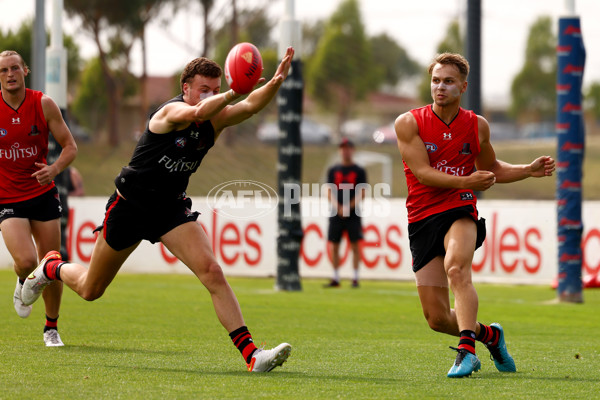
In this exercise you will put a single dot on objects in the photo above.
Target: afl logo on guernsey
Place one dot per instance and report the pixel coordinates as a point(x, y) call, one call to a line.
point(3, 132)
point(431, 147)
point(180, 142)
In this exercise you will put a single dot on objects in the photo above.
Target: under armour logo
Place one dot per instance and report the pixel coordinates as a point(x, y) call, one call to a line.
point(466, 196)
point(194, 134)
point(447, 136)
point(16, 120)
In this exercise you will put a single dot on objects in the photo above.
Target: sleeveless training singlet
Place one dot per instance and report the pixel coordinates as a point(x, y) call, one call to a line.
point(452, 149)
point(162, 164)
point(23, 142)
point(346, 178)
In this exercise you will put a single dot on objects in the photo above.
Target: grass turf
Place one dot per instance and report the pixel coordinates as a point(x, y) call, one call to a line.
point(156, 336)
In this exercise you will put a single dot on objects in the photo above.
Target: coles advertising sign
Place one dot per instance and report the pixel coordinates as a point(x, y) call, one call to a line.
point(521, 243)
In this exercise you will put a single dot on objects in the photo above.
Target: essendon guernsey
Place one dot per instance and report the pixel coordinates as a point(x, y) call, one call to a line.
point(23, 142)
point(452, 149)
point(346, 178)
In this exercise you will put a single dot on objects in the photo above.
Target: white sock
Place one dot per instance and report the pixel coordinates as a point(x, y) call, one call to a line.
point(356, 274)
point(336, 275)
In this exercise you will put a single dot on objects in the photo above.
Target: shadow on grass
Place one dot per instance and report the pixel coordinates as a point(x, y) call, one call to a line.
point(522, 377)
point(278, 373)
point(241, 372)
point(83, 348)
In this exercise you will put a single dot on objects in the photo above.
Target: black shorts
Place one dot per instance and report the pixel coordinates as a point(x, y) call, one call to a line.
point(337, 225)
point(126, 224)
point(426, 236)
point(44, 207)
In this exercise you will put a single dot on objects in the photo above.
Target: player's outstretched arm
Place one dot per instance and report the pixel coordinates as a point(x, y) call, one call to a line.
point(506, 172)
point(257, 99)
point(180, 114)
point(217, 108)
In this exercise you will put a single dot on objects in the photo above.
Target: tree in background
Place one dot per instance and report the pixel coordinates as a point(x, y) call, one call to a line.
point(357, 65)
point(592, 101)
point(21, 42)
point(206, 8)
point(103, 20)
point(90, 104)
point(254, 26)
point(452, 43)
point(533, 90)
point(114, 26)
point(342, 70)
point(392, 62)
point(312, 32)
point(142, 12)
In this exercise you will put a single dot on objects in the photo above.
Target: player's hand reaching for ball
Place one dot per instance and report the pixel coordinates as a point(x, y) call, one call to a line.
point(282, 70)
point(284, 67)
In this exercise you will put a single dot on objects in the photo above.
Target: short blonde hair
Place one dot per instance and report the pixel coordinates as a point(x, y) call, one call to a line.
point(452, 59)
point(8, 53)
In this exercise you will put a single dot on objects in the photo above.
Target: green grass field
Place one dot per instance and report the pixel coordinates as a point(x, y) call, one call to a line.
point(157, 337)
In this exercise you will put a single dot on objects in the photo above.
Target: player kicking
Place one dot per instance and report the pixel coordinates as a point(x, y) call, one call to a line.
point(150, 202)
point(441, 144)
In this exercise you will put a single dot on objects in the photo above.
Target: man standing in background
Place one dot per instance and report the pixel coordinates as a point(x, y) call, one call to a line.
point(345, 177)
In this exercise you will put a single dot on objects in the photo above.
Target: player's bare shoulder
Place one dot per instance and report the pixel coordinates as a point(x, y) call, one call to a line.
point(169, 117)
point(50, 108)
point(483, 129)
point(406, 127)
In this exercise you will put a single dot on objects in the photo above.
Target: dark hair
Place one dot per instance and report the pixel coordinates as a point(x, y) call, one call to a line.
point(452, 59)
point(8, 53)
point(200, 66)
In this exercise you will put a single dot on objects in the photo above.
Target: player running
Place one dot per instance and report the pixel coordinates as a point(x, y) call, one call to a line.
point(447, 155)
point(30, 209)
point(150, 202)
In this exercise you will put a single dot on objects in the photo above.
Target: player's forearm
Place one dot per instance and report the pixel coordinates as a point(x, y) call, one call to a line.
point(433, 177)
point(261, 97)
point(210, 107)
point(507, 173)
point(67, 155)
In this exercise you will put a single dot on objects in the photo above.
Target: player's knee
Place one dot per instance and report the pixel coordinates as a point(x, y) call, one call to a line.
point(213, 275)
point(25, 265)
point(436, 325)
point(456, 274)
point(437, 322)
point(92, 294)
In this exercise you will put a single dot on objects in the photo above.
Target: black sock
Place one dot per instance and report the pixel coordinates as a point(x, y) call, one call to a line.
point(51, 323)
point(488, 335)
point(242, 339)
point(467, 341)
